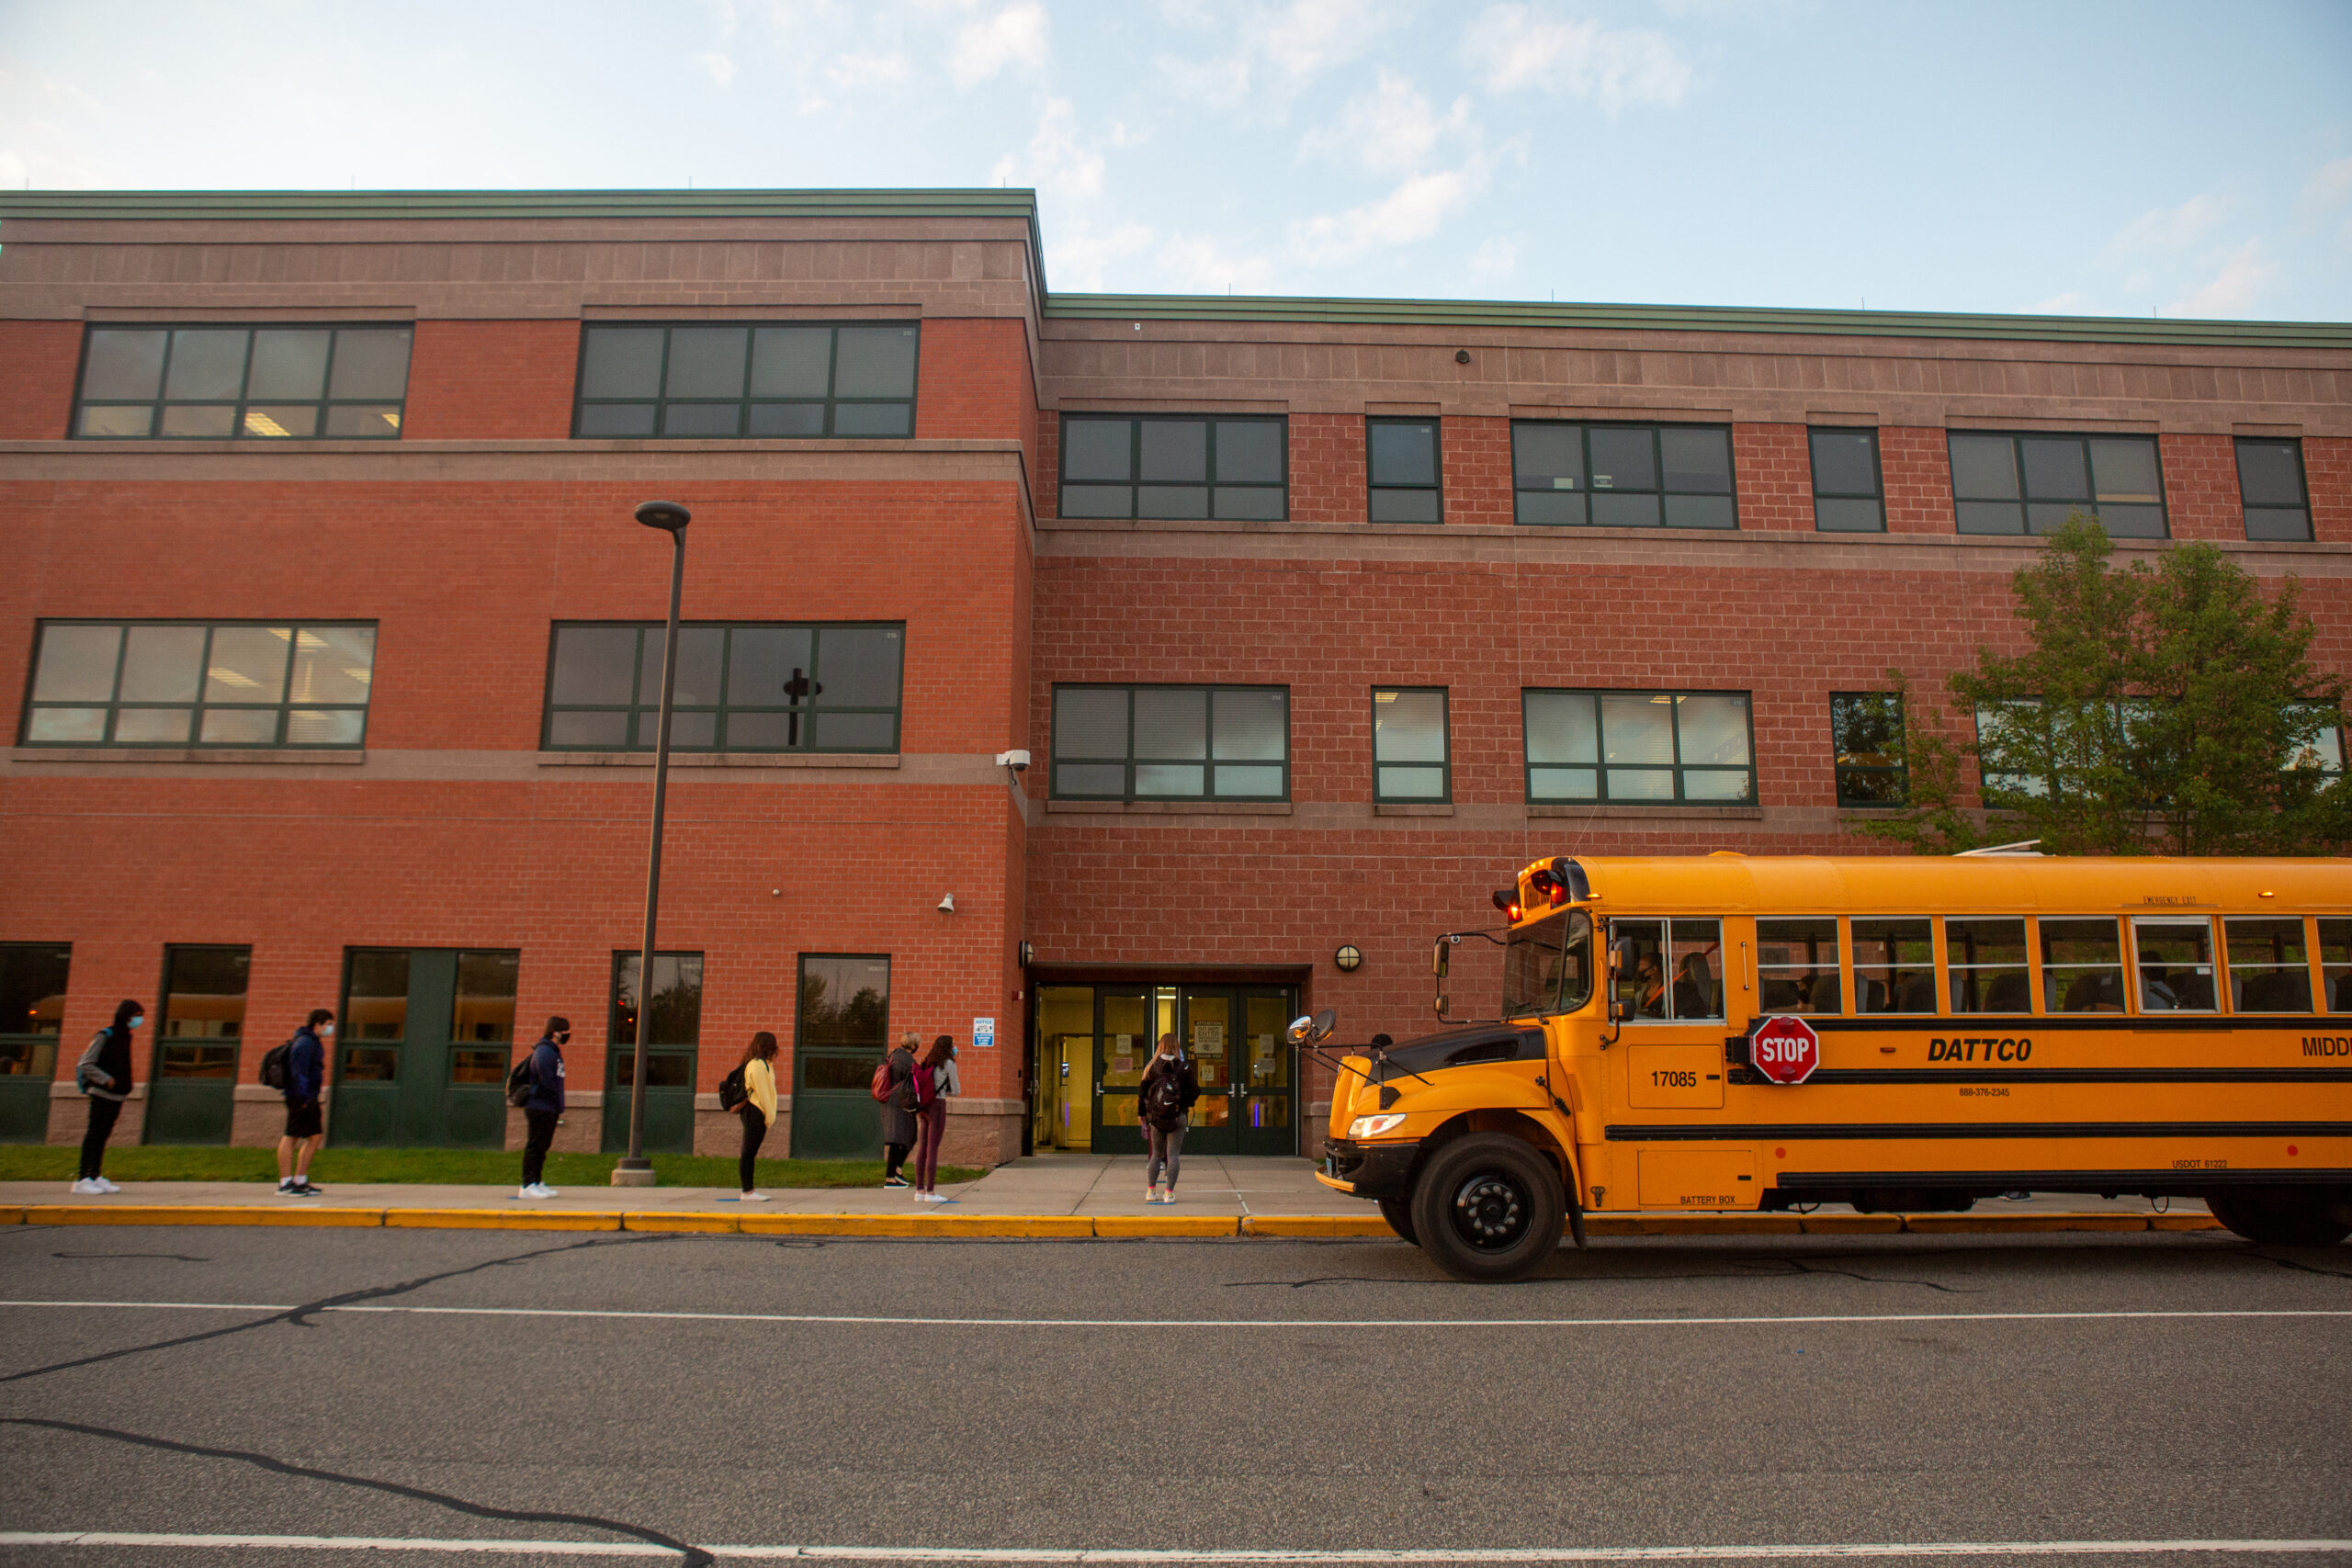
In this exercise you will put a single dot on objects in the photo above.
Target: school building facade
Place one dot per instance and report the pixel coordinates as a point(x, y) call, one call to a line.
point(338, 649)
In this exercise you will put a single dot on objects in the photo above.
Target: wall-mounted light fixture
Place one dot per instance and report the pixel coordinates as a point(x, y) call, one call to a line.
point(1028, 955)
point(1350, 958)
point(947, 903)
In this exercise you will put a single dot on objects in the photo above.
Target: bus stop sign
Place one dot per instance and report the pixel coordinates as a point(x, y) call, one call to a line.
point(1785, 1050)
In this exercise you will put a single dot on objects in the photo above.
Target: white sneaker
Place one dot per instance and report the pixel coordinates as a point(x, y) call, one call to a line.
point(87, 1188)
point(755, 1198)
point(546, 1192)
point(104, 1185)
point(537, 1190)
point(1167, 1195)
point(933, 1198)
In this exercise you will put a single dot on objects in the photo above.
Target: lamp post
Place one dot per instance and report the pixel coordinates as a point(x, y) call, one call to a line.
point(635, 1169)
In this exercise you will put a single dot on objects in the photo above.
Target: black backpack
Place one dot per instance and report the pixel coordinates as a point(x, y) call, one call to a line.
point(1163, 1103)
point(274, 1073)
point(518, 1083)
point(731, 1092)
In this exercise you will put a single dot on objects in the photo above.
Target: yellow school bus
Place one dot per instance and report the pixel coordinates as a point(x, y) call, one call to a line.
point(1724, 1032)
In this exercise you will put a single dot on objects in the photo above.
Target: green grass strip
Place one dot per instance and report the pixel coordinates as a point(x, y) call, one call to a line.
point(436, 1167)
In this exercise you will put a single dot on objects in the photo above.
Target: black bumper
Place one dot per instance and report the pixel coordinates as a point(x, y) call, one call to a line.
point(1372, 1170)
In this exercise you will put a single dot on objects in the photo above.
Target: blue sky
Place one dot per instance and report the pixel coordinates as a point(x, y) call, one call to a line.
point(2085, 157)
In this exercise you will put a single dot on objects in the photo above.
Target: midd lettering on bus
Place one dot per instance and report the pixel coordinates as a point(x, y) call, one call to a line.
point(1979, 1048)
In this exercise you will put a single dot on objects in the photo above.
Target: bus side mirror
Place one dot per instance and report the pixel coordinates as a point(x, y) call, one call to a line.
point(1441, 957)
point(1308, 1030)
point(1620, 954)
point(1442, 1004)
point(1619, 1009)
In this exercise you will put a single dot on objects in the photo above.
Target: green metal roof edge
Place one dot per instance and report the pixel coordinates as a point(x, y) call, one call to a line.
point(1696, 318)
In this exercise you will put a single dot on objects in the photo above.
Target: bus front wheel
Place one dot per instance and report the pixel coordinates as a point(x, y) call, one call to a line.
point(2285, 1216)
point(1398, 1213)
point(1488, 1207)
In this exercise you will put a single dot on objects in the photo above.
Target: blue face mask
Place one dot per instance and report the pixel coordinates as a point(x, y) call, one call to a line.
point(136, 1020)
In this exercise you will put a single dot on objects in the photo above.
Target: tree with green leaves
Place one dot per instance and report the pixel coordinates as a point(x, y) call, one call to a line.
point(2171, 710)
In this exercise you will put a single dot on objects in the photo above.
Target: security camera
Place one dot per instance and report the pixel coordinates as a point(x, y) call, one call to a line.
point(1017, 761)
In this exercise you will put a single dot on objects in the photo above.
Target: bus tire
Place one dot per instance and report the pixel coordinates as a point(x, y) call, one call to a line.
point(1488, 1207)
point(2276, 1217)
point(1398, 1213)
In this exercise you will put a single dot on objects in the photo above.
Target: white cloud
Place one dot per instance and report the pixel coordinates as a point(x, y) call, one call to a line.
point(1519, 46)
point(1392, 128)
point(1412, 211)
point(1197, 261)
point(851, 72)
point(2167, 230)
point(721, 69)
point(1056, 162)
point(2071, 304)
point(1496, 258)
point(1277, 51)
point(2330, 184)
point(1014, 36)
point(1078, 255)
point(2232, 290)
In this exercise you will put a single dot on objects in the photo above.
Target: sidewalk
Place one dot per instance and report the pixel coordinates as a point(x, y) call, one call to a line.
point(1053, 1194)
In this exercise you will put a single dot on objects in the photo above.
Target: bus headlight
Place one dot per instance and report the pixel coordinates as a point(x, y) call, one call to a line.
point(1372, 1126)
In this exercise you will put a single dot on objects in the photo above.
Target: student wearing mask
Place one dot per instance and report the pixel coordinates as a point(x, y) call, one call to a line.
point(899, 1129)
point(306, 1129)
point(1164, 1100)
point(544, 1108)
point(935, 1080)
point(758, 1110)
point(103, 1075)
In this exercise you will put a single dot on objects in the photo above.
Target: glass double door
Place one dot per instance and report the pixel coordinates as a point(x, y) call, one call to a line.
point(1094, 1042)
point(422, 1048)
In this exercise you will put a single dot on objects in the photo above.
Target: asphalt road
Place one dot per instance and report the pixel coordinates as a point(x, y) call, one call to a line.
point(1174, 1396)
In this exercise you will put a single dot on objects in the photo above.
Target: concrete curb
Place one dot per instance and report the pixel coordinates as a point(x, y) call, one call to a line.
point(1041, 1226)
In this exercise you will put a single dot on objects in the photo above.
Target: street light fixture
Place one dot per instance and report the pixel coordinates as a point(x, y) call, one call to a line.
point(635, 1169)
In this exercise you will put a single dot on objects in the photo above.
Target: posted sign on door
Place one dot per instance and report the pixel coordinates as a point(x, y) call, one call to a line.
point(1784, 1050)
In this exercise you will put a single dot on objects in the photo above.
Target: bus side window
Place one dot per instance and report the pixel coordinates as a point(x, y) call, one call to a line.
point(1698, 968)
point(2336, 966)
point(1894, 966)
point(2082, 966)
point(2175, 964)
point(1986, 964)
point(2270, 970)
point(1796, 966)
point(1640, 981)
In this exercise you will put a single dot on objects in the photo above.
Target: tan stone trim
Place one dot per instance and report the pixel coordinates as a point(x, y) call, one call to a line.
point(1171, 405)
point(111, 315)
point(388, 765)
point(1400, 808)
point(2094, 423)
point(1652, 813)
point(1849, 417)
point(1674, 413)
point(964, 1105)
point(1402, 411)
point(64, 1087)
point(1172, 808)
point(209, 756)
point(2290, 432)
point(720, 760)
point(911, 310)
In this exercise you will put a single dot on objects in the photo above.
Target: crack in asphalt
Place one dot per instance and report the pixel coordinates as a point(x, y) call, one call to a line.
point(2301, 1267)
point(693, 1555)
point(300, 1316)
point(166, 1256)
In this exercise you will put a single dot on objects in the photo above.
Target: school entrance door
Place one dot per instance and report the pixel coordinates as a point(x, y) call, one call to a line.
point(1092, 1044)
point(421, 1047)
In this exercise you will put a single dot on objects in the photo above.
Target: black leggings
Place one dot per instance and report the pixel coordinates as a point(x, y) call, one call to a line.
point(894, 1155)
point(755, 1132)
point(102, 1112)
point(536, 1146)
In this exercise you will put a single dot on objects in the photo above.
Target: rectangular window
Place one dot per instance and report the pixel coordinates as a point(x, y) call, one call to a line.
point(1666, 748)
point(2082, 966)
point(2032, 483)
point(2271, 487)
point(844, 1024)
point(1894, 966)
point(1171, 743)
point(2336, 966)
point(229, 383)
point(1622, 476)
point(1866, 731)
point(1175, 466)
point(672, 1032)
point(1984, 964)
point(2324, 750)
point(32, 1006)
point(1401, 458)
point(1676, 972)
point(1408, 745)
point(2269, 967)
point(2175, 961)
point(1796, 965)
point(720, 380)
point(203, 1016)
point(756, 687)
point(1848, 487)
point(198, 683)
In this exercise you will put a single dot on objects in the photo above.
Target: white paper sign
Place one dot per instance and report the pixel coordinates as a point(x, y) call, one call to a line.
point(1209, 1040)
point(983, 1034)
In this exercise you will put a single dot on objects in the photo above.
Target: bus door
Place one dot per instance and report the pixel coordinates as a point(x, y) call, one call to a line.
point(1672, 981)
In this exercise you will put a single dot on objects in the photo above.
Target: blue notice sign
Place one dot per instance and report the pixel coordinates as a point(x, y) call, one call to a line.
point(983, 1034)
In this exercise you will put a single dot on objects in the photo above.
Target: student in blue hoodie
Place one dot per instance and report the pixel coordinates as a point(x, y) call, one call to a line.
point(544, 1108)
point(305, 1128)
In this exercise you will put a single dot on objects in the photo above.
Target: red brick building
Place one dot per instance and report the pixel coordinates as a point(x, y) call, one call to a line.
point(329, 617)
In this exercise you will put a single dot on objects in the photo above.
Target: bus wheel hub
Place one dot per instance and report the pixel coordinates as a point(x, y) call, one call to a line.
point(1488, 1210)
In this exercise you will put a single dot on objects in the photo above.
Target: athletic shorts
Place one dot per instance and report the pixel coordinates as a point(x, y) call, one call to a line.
point(302, 1119)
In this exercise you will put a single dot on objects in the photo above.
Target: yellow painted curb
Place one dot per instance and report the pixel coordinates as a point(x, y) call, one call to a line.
point(2184, 1223)
point(1851, 1225)
point(1693, 1225)
point(1021, 1225)
point(1979, 1224)
point(502, 1219)
point(11, 1216)
point(1164, 1226)
point(198, 1214)
point(656, 1220)
point(1315, 1225)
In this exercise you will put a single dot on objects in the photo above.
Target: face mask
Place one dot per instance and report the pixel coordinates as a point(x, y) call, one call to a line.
point(136, 1020)
point(326, 1032)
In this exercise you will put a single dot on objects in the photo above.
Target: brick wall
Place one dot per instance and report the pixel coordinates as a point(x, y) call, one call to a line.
point(1477, 452)
point(487, 380)
point(2201, 475)
point(1328, 477)
point(1773, 465)
point(1916, 465)
point(39, 361)
point(975, 381)
point(2327, 473)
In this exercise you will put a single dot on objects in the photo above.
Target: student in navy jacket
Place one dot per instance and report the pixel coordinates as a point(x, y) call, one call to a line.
point(544, 1107)
point(305, 1128)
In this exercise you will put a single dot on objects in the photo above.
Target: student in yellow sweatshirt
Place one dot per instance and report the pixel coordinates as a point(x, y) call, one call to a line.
point(758, 1110)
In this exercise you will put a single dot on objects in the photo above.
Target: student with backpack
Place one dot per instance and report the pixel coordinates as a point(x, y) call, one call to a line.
point(103, 1076)
point(934, 1080)
point(543, 1104)
point(1164, 1104)
point(305, 1074)
point(750, 1093)
point(897, 1080)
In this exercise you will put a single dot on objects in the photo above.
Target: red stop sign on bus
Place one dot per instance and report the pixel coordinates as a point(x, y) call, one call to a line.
point(1785, 1050)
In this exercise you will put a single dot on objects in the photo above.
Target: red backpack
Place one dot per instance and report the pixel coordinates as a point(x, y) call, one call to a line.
point(922, 1086)
point(882, 1081)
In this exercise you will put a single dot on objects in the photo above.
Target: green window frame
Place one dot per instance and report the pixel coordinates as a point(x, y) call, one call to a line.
point(676, 1032)
point(1601, 747)
point(200, 1024)
point(843, 693)
point(752, 380)
point(1866, 735)
point(33, 980)
point(1577, 474)
point(296, 685)
point(1848, 484)
point(1175, 466)
point(1404, 469)
point(2032, 481)
point(218, 382)
point(1411, 746)
point(836, 1040)
point(2272, 489)
point(1166, 742)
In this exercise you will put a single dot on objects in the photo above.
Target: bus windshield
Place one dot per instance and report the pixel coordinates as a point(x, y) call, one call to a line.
point(1547, 967)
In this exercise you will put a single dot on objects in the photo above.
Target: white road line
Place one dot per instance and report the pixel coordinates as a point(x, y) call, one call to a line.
point(859, 1320)
point(1147, 1555)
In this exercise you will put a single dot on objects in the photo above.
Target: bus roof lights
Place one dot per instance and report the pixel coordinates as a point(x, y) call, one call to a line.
point(1507, 900)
